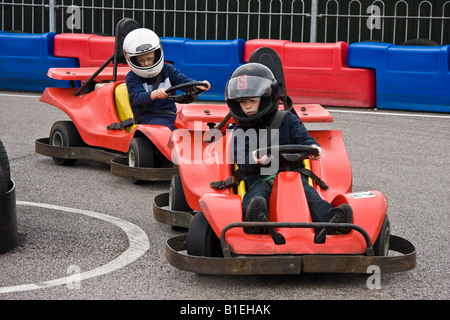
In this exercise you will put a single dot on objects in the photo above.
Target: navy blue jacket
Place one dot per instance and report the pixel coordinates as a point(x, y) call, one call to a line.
point(291, 131)
point(140, 89)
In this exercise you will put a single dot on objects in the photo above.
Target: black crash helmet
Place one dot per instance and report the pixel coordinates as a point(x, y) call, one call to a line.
point(252, 80)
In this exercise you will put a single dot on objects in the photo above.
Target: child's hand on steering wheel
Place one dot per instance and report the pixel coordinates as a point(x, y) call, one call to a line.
point(263, 160)
point(159, 94)
point(319, 155)
point(205, 87)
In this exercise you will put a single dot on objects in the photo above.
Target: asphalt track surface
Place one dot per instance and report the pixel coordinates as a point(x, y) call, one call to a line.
point(88, 234)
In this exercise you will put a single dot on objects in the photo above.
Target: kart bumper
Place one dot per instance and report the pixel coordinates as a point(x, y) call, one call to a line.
point(170, 217)
point(119, 167)
point(291, 264)
point(117, 161)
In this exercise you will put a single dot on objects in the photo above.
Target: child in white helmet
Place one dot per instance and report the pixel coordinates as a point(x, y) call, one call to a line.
point(150, 77)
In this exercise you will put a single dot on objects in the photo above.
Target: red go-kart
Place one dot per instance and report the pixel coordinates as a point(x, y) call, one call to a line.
point(101, 126)
point(217, 241)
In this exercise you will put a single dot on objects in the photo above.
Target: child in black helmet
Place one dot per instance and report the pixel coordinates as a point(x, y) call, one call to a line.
point(252, 94)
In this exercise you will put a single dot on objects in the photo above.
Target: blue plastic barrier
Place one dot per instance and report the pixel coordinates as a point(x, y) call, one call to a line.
point(25, 59)
point(407, 77)
point(212, 60)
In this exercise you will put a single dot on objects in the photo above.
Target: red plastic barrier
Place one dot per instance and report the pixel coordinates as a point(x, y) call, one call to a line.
point(90, 49)
point(318, 73)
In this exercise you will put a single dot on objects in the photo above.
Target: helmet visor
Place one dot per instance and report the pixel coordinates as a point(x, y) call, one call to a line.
point(246, 87)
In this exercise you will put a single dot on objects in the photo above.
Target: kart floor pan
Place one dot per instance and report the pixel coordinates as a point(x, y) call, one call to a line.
point(117, 161)
point(291, 264)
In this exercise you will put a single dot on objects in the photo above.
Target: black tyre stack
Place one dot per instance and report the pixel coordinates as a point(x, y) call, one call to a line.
point(8, 219)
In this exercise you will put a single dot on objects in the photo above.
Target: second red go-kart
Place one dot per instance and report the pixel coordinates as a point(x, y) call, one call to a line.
point(216, 241)
point(101, 126)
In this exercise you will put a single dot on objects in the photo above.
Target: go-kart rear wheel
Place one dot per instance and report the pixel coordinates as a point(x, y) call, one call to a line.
point(201, 239)
point(381, 245)
point(177, 199)
point(65, 134)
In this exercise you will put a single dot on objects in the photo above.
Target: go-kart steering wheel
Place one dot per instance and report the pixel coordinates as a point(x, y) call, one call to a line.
point(190, 92)
point(290, 154)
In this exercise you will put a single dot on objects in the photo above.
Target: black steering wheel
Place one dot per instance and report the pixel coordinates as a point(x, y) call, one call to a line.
point(290, 154)
point(190, 92)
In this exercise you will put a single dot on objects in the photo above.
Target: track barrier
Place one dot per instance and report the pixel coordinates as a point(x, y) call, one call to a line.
point(363, 74)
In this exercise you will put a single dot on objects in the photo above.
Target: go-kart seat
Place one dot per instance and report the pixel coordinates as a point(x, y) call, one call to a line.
point(240, 188)
point(123, 106)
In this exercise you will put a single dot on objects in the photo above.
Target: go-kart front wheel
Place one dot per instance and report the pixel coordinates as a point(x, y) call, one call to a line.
point(141, 153)
point(65, 134)
point(201, 239)
point(381, 245)
point(177, 199)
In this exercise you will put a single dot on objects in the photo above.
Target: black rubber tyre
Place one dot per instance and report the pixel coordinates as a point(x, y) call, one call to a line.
point(5, 174)
point(8, 220)
point(141, 153)
point(381, 245)
point(201, 239)
point(65, 134)
point(177, 199)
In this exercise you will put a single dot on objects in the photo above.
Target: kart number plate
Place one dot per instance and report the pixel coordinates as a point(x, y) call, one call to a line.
point(362, 194)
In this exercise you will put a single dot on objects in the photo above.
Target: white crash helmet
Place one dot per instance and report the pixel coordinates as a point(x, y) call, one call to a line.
point(140, 41)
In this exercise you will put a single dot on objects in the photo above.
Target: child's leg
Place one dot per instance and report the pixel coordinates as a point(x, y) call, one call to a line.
point(168, 121)
point(318, 207)
point(322, 211)
point(258, 189)
point(255, 203)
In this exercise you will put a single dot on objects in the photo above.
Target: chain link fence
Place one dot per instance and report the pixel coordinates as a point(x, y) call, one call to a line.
point(393, 21)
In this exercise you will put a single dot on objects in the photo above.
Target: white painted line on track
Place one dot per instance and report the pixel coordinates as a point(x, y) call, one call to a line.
point(378, 113)
point(138, 245)
point(19, 95)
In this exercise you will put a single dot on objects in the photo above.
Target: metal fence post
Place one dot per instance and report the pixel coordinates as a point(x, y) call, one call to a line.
point(52, 15)
point(313, 29)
